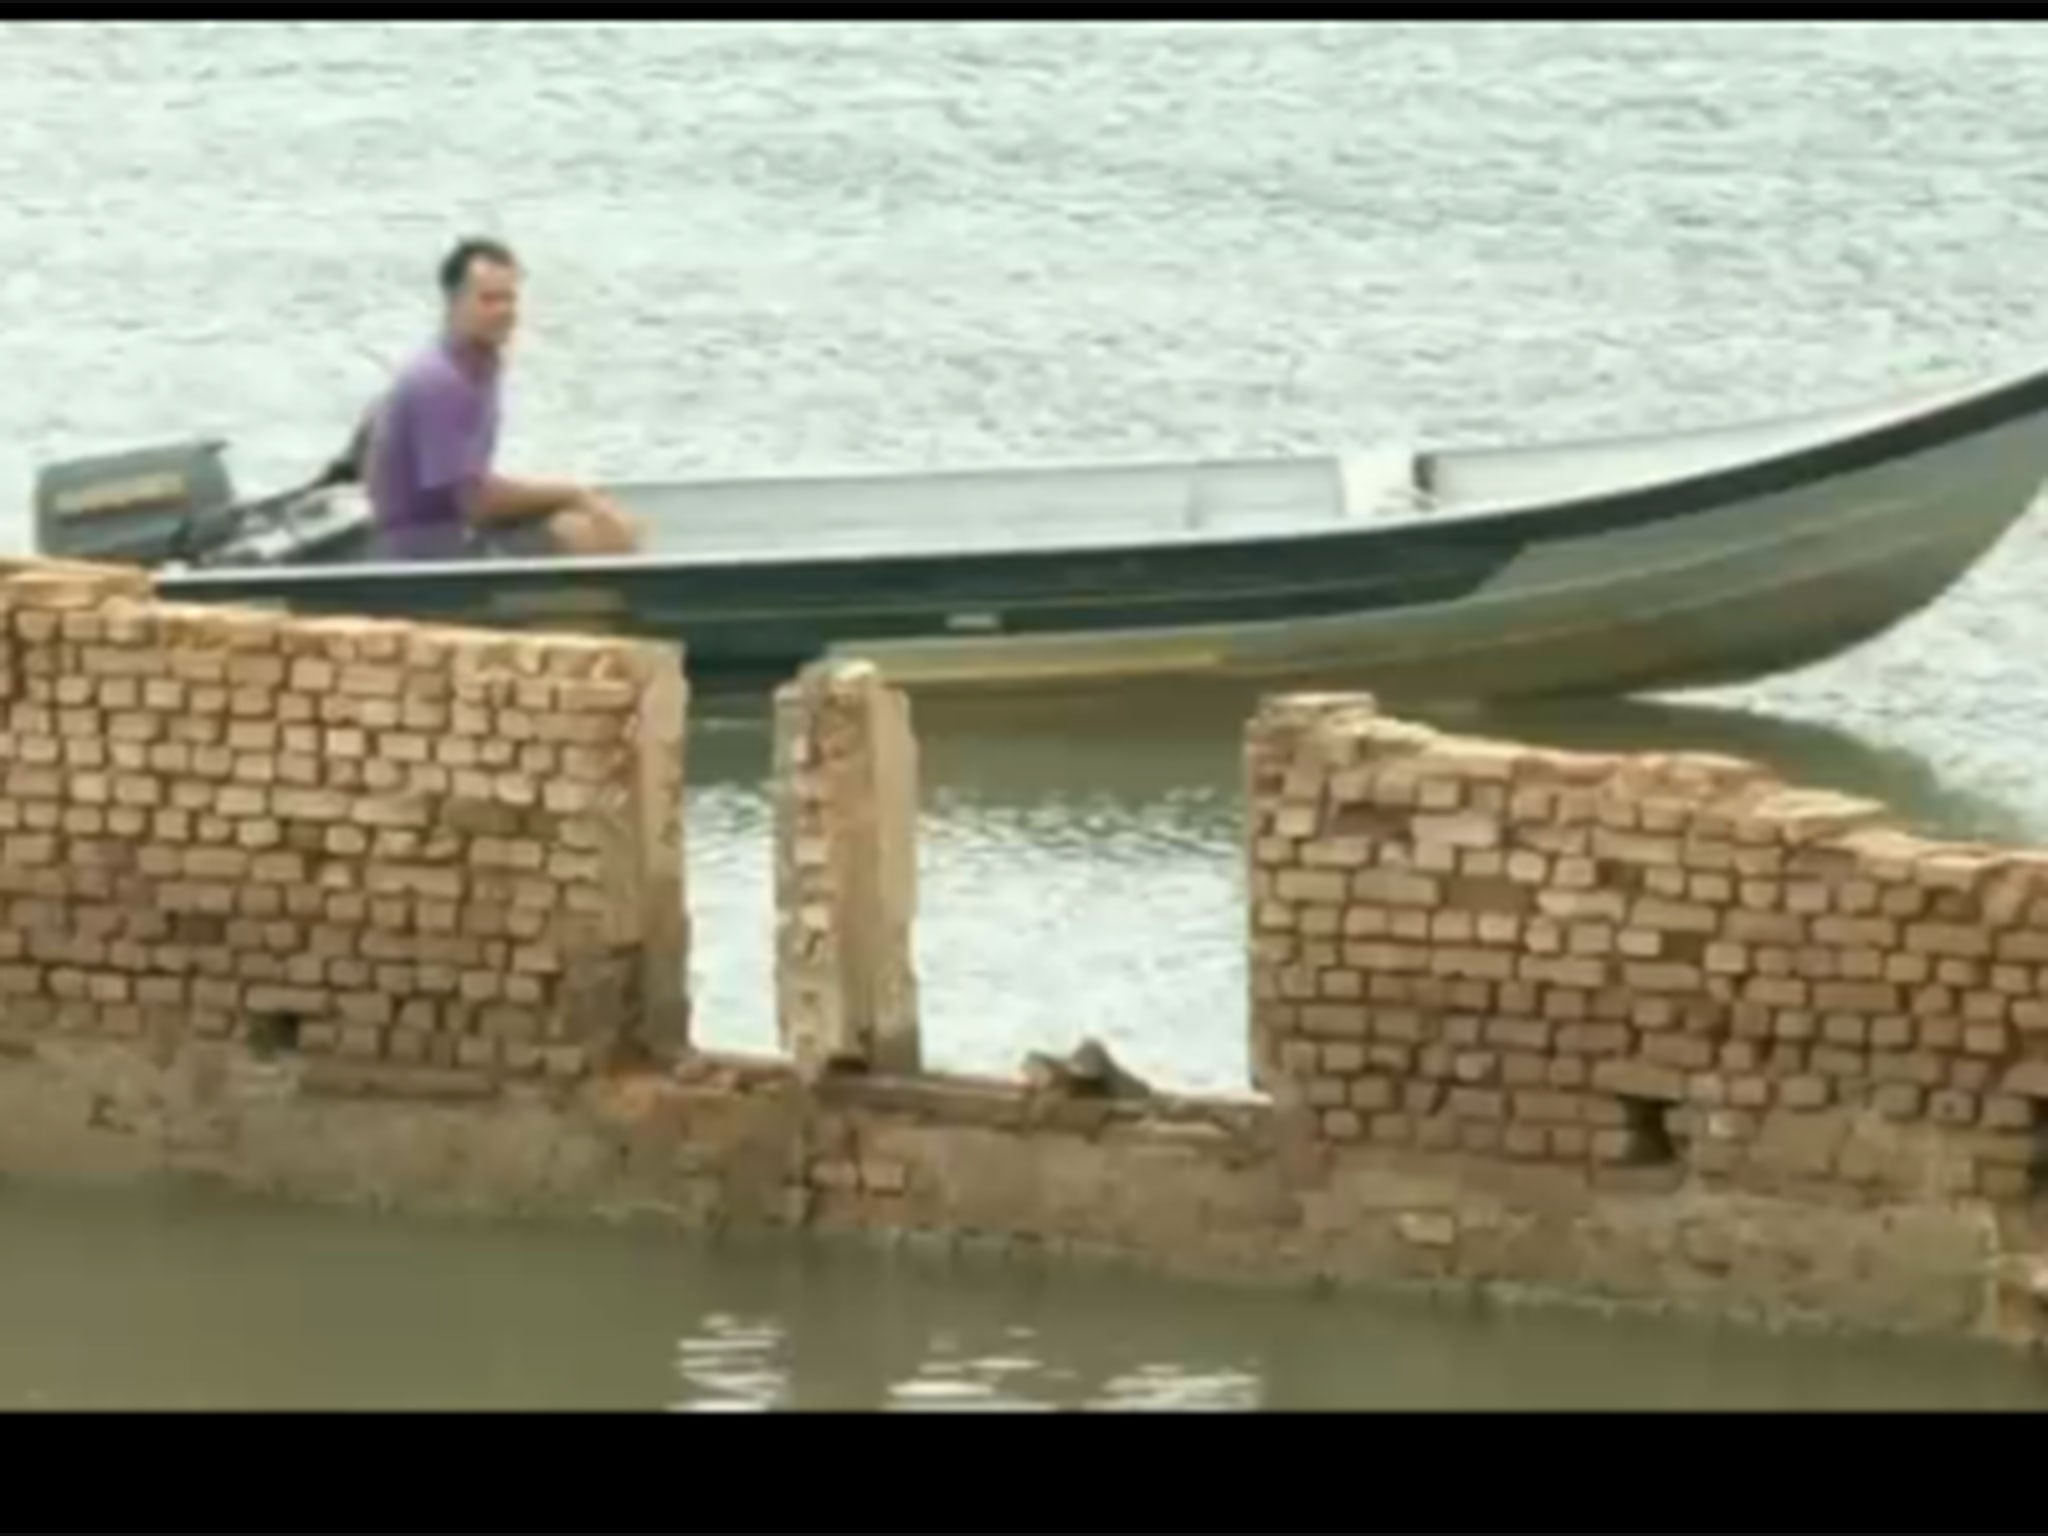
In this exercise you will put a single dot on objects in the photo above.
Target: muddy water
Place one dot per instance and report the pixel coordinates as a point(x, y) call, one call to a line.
point(189, 1301)
point(807, 248)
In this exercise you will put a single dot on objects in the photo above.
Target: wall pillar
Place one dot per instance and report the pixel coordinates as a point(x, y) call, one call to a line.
point(845, 871)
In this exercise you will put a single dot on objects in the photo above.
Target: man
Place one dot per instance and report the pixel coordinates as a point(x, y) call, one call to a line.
point(429, 468)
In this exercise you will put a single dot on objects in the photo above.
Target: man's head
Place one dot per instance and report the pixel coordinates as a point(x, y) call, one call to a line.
point(480, 281)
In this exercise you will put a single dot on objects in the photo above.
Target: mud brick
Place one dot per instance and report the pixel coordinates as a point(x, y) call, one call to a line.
point(1518, 1034)
point(2007, 1112)
point(1785, 1059)
point(1549, 1107)
point(1390, 1060)
point(1663, 976)
point(1839, 1064)
point(1334, 1020)
point(1516, 999)
point(1525, 1142)
point(1751, 1022)
point(1740, 1056)
point(1338, 985)
point(1668, 883)
point(1392, 1130)
point(1751, 1092)
point(1776, 992)
point(1806, 1092)
point(1640, 1079)
point(1765, 928)
point(482, 1052)
point(1298, 1058)
point(1952, 1106)
point(1948, 939)
point(1727, 959)
point(1593, 1039)
point(1437, 1133)
point(1640, 943)
point(1688, 1053)
point(2004, 1184)
point(1565, 1005)
point(1343, 1058)
point(1484, 1138)
point(1409, 926)
point(1476, 1068)
point(370, 1008)
point(1915, 1067)
point(1370, 1094)
point(1612, 1145)
point(1986, 1008)
point(1972, 1074)
point(1453, 927)
point(1899, 1101)
point(1846, 1029)
point(1610, 907)
point(1484, 1104)
point(2026, 947)
point(1961, 974)
point(1715, 890)
point(1567, 1072)
point(1856, 932)
point(1590, 939)
point(1935, 1003)
point(1817, 964)
point(2012, 980)
point(1459, 1031)
point(1429, 858)
point(1856, 997)
point(1422, 1098)
point(1324, 1092)
point(1892, 1032)
point(1993, 1040)
point(1902, 901)
point(1761, 896)
point(1383, 887)
point(1474, 964)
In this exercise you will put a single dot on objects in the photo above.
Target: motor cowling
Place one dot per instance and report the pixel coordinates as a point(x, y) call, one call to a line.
point(145, 506)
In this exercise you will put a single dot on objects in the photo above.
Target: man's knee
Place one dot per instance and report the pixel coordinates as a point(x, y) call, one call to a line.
point(577, 532)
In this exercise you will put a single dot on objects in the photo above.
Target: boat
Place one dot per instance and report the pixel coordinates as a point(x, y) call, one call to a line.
point(1623, 565)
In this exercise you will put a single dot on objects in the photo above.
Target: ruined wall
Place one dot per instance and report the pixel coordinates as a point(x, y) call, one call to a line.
point(1612, 961)
point(845, 870)
point(397, 849)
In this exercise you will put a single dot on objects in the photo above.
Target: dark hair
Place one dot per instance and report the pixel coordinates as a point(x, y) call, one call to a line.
point(456, 264)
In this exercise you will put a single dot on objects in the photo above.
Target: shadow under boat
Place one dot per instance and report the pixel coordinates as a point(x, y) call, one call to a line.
point(1178, 752)
point(1626, 565)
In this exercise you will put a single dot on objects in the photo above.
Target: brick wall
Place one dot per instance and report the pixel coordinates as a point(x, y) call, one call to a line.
point(1608, 961)
point(402, 848)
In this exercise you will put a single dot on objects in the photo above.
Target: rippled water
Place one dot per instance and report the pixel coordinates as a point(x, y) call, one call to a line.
point(768, 248)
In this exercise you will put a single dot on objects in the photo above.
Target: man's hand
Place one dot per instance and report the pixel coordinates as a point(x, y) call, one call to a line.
point(593, 524)
point(619, 531)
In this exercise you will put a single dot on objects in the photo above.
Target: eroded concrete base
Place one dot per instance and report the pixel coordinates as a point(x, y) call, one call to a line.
point(1223, 1189)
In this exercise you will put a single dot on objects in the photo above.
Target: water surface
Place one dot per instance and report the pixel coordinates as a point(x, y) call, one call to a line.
point(805, 248)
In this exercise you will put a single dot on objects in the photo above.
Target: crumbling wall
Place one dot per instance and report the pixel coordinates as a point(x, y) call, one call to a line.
point(1666, 960)
point(845, 871)
point(395, 848)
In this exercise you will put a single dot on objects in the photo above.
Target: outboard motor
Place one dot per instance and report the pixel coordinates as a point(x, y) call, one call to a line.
point(176, 506)
point(144, 507)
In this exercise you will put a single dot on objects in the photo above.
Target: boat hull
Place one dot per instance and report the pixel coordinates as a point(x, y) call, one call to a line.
point(1720, 576)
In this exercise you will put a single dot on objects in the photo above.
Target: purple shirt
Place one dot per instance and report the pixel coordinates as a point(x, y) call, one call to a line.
point(435, 434)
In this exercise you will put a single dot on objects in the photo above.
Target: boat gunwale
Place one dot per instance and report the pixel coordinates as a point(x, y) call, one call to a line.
point(1918, 429)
